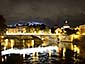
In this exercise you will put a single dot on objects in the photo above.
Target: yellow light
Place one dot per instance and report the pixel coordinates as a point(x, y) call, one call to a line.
point(49, 53)
point(75, 36)
point(71, 46)
point(23, 41)
point(78, 33)
point(83, 33)
point(6, 42)
point(5, 48)
point(28, 45)
point(12, 43)
point(32, 43)
point(33, 54)
point(78, 50)
point(2, 36)
point(24, 30)
point(71, 37)
point(75, 48)
point(64, 50)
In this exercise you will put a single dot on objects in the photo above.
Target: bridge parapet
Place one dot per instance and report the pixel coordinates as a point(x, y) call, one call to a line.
point(49, 37)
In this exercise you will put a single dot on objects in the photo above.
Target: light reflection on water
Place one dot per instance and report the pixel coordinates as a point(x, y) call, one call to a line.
point(46, 59)
point(38, 58)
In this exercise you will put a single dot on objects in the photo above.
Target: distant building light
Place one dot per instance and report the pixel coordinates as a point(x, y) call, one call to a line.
point(66, 21)
point(66, 26)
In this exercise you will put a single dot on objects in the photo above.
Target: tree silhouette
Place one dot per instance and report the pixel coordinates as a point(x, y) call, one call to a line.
point(2, 24)
point(2, 27)
point(70, 31)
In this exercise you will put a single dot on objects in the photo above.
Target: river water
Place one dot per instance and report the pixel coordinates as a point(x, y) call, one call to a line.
point(41, 58)
point(46, 58)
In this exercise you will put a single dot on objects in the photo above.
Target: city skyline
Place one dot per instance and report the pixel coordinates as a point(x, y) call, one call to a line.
point(51, 24)
point(51, 12)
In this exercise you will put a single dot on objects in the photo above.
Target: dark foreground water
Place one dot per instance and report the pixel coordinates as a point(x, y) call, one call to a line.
point(40, 59)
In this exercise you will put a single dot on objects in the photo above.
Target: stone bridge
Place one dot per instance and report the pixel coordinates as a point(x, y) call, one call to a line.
point(40, 39)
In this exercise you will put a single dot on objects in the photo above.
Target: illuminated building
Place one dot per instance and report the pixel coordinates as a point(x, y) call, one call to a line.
point(65, 25)
point(58, 31)
point(32, 27)
point(82, 29)
point(18, 28)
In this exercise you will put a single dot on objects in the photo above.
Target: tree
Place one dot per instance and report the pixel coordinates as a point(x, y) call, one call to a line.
point(2, 27)
point(2, 24)
point(70, 31)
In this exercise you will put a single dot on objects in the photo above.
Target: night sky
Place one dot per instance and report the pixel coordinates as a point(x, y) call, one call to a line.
point(50, 12)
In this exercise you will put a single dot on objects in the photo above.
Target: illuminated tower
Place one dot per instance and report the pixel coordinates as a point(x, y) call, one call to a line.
point(65, 25)
point(66, 22)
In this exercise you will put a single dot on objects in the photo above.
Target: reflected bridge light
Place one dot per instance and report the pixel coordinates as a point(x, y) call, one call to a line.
point(2, 36)
point(29, 50)
point(6, 42)
point(12, 43)
point(83, 33)
point(75, 36)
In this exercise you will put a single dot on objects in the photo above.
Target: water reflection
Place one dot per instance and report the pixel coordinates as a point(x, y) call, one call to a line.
point(64, 56)
point(41, 58)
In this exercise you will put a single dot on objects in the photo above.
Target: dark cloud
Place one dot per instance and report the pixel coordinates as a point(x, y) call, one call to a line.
point(56, 10)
